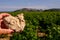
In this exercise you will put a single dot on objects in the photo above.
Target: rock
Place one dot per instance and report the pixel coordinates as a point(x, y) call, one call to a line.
point(16, 23)
point(40, 34)
point(6, 38)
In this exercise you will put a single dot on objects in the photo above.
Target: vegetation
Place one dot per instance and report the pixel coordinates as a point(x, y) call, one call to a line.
point(47, 22)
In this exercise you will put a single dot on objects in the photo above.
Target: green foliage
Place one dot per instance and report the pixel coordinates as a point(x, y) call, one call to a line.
point(48, 22)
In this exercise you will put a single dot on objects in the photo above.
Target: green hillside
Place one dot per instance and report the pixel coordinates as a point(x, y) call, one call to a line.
point(47, 22)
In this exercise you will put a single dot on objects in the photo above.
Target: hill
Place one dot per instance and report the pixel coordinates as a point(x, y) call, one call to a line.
point(47, 22)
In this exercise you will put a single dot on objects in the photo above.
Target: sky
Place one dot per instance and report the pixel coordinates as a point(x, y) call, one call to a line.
point(11, 5)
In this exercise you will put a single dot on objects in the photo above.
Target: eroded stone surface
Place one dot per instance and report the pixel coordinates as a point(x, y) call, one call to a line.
point(16, 23)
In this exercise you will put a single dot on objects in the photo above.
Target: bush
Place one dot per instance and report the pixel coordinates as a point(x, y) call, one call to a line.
point(47, 22)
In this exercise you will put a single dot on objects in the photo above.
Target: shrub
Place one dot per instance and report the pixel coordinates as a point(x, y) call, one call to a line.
point(47, 22)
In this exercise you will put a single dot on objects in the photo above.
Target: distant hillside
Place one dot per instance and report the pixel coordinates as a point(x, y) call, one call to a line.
point(34, 10)
point(27, 9)
point(53, 9)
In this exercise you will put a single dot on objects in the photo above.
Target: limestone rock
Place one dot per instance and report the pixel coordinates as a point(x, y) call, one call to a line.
point(16, 23)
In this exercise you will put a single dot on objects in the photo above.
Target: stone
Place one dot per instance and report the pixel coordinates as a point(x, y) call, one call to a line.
point(16, 23)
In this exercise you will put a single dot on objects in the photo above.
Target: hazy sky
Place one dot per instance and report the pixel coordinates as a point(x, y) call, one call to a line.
point(9, 5)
